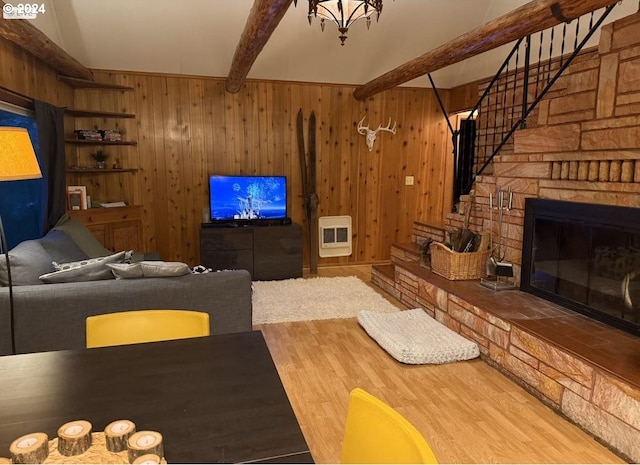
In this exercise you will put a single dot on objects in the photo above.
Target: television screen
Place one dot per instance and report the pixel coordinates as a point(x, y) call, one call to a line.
point(247, 197)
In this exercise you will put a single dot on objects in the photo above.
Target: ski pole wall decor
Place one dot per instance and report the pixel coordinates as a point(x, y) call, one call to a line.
point(309, 194)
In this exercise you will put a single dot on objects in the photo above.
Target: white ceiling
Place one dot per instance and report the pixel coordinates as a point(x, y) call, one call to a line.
point(199, 37)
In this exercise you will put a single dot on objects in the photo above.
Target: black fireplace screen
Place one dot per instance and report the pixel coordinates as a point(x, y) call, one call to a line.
point(584, 257)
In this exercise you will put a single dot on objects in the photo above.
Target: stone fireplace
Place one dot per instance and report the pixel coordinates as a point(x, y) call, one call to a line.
point(585, 257)
point(580, 150)
point(581, 143)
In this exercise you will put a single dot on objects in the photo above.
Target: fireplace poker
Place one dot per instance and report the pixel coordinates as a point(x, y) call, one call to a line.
point(503, 268)
point(500, 200)
point(499, 269)
point(491, 262)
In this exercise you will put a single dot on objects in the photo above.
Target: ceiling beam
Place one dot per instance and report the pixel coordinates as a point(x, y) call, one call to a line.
point(530, 18)
point(263, 19)
point(28, 37)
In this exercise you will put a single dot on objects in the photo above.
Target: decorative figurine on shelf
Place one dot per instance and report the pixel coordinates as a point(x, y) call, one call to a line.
point(116, 165)
point(101, 157)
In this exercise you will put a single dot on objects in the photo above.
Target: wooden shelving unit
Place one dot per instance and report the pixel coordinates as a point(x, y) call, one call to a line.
point(99, 142)
point(96, 114)
point(117, 228)
point(100, 170)
point(86, 84)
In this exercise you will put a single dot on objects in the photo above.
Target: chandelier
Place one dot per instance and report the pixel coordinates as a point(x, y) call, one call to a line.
point(343, 13)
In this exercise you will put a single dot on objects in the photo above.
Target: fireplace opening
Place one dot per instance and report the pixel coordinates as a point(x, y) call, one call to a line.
point(585, 257)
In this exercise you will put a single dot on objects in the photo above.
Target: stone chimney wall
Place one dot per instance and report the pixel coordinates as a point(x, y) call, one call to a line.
point(581, 144)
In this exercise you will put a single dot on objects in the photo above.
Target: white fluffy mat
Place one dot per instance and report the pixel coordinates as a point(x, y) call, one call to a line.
point(314, 299)
point(413, 337)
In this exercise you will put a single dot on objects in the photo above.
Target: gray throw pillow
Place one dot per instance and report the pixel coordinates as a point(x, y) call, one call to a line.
point(148, 269)
point(157, 269)
point(61, 248)
point(28, 260)
point(83, 238)
point(93, 269)
point(126, 270)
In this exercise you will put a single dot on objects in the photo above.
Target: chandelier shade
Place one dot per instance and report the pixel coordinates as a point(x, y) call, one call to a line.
point(343, 13)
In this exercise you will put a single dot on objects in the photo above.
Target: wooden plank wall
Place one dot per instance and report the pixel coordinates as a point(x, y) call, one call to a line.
point(23, 73)
point(189, 127)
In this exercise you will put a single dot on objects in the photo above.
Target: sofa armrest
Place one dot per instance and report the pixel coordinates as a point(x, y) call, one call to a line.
point(52, 316)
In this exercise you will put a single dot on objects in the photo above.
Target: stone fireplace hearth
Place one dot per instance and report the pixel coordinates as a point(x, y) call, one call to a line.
point(584, 369)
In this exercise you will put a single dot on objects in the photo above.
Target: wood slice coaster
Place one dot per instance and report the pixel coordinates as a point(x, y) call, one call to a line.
point(74, 437)
point(117, 434)
point(30, 448)
point(149, 459)
point(143, 443)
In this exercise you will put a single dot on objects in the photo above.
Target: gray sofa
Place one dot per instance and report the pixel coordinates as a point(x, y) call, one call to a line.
point(52, 316)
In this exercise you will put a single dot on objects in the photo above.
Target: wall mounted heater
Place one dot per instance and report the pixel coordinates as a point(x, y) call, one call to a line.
point(335, 236)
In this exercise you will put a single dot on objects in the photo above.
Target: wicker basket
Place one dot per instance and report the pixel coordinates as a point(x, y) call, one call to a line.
point(459, 265)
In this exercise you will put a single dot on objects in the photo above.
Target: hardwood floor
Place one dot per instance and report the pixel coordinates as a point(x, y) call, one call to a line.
point(468, 411)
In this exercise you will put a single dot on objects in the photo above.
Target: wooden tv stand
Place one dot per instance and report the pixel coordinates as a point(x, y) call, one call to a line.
point(267, 252)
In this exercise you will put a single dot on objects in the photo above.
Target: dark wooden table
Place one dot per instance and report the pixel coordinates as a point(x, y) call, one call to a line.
point(214, 399)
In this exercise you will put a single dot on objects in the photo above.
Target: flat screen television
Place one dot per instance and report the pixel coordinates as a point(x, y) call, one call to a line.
point(247, 197)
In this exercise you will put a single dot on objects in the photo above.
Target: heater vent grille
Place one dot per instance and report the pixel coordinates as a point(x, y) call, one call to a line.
point(335, 236)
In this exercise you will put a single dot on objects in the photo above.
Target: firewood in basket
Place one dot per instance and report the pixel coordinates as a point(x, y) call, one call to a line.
point(30, 448)
point(74, 438)
point(145, 442)
point(117, 435)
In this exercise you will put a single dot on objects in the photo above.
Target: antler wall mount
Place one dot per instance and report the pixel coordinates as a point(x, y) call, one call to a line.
point(372, 133)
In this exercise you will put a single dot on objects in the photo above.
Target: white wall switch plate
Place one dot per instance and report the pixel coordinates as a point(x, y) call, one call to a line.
point(408, 180)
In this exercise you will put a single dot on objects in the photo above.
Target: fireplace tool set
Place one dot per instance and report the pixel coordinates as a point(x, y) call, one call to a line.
point(499, 273)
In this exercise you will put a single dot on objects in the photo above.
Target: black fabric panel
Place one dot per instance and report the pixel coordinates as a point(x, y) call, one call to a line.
point(50, 121)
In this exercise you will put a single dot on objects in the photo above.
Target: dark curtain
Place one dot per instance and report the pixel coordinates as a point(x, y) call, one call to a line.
point(465, 157)
point(50, 121)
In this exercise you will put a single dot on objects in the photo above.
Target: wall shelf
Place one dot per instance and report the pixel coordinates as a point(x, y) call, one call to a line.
point(99, 142)
point(100, 170)
point(118, 228)
point(86, 84)
point(97, 114)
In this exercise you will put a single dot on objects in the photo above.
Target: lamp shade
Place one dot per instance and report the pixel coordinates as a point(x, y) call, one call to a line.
point(17, 158)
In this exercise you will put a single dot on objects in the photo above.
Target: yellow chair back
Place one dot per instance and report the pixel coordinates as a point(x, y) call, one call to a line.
point(376, 433)
point(131, 327)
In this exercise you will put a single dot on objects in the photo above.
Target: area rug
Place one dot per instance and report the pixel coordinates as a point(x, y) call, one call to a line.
point(314, 299)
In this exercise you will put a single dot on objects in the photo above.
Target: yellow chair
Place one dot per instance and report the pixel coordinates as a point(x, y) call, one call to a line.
point(131, 327)
point(376, 433)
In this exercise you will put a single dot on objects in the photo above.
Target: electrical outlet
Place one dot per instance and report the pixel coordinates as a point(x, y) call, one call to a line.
point(408, 180)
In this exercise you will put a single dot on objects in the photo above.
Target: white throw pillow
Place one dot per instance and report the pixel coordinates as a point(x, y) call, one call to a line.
point(93, 269)
point(117, 257)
